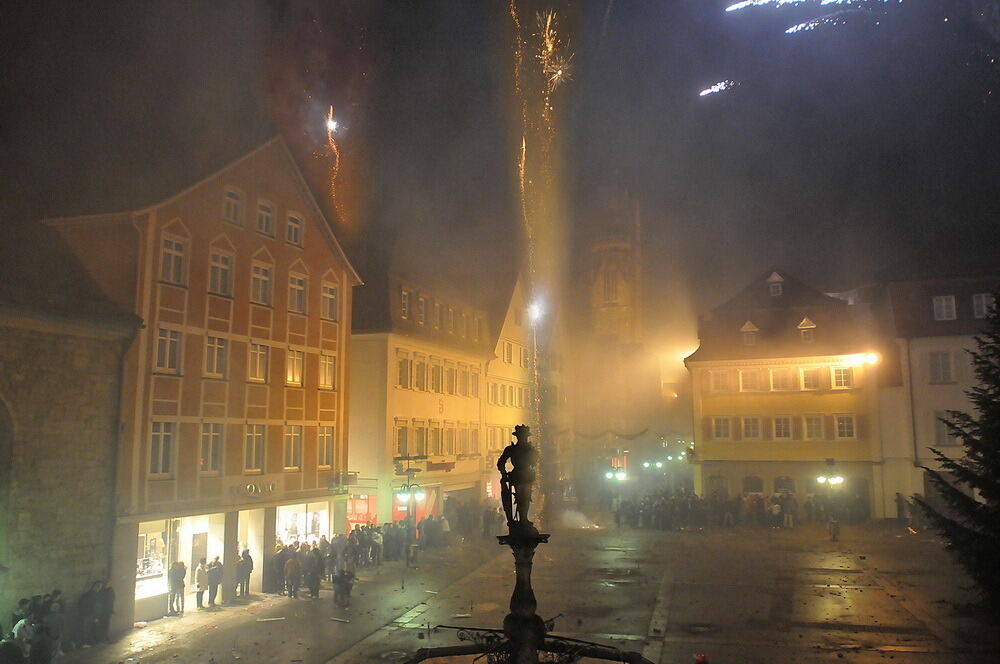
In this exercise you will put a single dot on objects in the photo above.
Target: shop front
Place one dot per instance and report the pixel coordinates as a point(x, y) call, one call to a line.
point(305, 522)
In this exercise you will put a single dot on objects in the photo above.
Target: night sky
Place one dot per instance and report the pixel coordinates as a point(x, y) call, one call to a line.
point(847, 154)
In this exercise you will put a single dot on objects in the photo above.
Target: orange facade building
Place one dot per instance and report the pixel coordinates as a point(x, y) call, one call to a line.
point(234, 411)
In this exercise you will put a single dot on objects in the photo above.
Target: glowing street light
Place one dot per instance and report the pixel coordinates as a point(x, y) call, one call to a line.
point(620, 475)
point(659, 464)
point(609, 475)
point(645, 464)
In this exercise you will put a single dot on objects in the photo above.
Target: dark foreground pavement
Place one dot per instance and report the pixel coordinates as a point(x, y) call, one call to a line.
point(745, 596)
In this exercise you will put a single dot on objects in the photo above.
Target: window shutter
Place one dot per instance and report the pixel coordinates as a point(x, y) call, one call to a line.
point(706, 428)
point(860, 426)
point(829, 427)
point(737, 428)
point(825, 378)
point(767, 428)
point(797, 433)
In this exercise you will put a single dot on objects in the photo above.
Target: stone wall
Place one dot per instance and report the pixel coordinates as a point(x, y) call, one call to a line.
point(59, 396)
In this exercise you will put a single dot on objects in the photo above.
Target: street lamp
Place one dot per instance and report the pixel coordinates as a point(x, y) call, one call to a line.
point(621, 475)
point(410, 493)
point(659, 464)
point(645, 464)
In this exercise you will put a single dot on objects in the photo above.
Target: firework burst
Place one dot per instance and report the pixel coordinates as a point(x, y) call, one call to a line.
point(721, 86)
point(331, 142)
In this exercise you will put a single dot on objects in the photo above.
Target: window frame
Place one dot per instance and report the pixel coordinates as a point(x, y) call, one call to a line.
point(173, 339)
point(982, 305)
point(327, 371)
point(233, 198)
point(329, 293)
point(726, 430)
point(216, 440)
point(255, 446)
point(255, 360)
point(789, 383)
point(293, 237)
point(300, 360)
point(942, 306)
point(805, 426)
point(945, 372)
point(774, 427)
point(216, 357)
point(178, 260)
point(291, 451)
point(298, 293)
point(225, 272)
point(267, 229)
point(163, 439)
point(850, 417)
point(750, 372)
point(326, 437)
point(802, 378)
point(747, 419)
point(262, 274)
point(836, 374)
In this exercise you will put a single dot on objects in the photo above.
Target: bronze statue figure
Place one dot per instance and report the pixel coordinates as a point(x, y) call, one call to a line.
point(515, 485)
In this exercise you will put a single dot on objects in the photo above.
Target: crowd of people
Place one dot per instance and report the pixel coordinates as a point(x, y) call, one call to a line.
point(675, 510)
point(44, 627)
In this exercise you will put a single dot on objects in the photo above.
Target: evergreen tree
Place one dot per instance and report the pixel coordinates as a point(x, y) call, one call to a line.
point(971, 524)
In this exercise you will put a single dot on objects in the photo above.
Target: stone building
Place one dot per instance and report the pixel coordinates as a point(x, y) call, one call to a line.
point(61, 349)
point(234, 416)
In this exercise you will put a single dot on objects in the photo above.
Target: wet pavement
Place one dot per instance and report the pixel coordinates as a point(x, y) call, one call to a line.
point(754, 595)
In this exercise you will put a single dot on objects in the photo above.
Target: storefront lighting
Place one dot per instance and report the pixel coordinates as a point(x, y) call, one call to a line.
point(837, 479)
point(404, 496)
point(645, 464)
point(670, 458)
point(659, 464)
point(620, 475)
point(821, 479)
point(609, 475)
point(419, 495)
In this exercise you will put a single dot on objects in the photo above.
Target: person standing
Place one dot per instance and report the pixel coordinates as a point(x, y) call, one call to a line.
point(175, 587)
point(293, 576)
point(214, 579)
point(105, 608)
point(201, 582)
point(245, 570)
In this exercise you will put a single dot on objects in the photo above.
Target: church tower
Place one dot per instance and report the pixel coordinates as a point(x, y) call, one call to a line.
point(616, 275)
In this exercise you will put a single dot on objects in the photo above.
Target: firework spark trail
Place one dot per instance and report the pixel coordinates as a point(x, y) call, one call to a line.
point(834, 19)
point(721, 86)
point(331, 127)
point(746, 4)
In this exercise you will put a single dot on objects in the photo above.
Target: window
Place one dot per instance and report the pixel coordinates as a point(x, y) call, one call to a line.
point(325, 443)
point(450, 321)
point(402, 442)
point(327, 371)
point(292, 459)
point(810, 379)
point(983, 305)
point(421, 310)
point(211, 448)
point(330, 305)
point(751, 427)
point(260, 284)
point(474, 441)
point(232, 207)
point(845, 426)
point(474, 385)
point(434, 448)
point(781, 380)
point(610, 286)
point(720, 427)
point(465, 325)
point(436, 315)
point(253, 448)
point(404, 304)
point(774, 289)
point(508, 352)
point(719, 381)
point(749, 338)
point(168, 350)
point(944, 307)
point(293, 231)
point(782, 427)
point(161, 449)
point(463, 440)
point(257, 367)
point(403, 365)
point(265, 218)
point(216, 349)
point(843, 377)
point(807, 335)
point(172, 261)
point(940, 365)
point(297, 294)
point(749, 380)
point(813, 427)
point(525, 362)
point(463, 382)
point(449, 441)
point(294, 366)
point(942, 435)
point(436, 381)
point(220, 274)
point(449, 380)
point(419, 439)
point(420, 374)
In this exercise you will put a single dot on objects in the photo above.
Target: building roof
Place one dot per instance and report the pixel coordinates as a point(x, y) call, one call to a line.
point(39, 275)
point(906, 308)
point(777, 322)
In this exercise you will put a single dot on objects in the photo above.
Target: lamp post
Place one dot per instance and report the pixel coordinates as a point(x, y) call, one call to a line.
point(833, 524)
point(410, 493)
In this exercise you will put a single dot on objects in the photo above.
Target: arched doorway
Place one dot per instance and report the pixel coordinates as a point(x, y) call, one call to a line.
point(784, 484)
point(753, 484)
point(717, 487)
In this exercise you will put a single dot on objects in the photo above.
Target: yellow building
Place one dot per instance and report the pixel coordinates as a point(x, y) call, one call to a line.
point(417, 364)
point(785, 391)
point(510, 378)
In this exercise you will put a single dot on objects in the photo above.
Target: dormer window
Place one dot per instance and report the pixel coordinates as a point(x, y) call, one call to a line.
point(774, 289)
point(749, 331)
point(807, 330)
point(774, 284)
